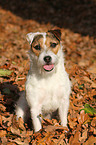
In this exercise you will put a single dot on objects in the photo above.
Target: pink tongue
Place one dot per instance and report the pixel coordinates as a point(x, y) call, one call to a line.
point(48, 67)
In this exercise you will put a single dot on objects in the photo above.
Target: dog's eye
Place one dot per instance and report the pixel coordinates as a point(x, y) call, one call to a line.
point(37, 47)
point(53, 45)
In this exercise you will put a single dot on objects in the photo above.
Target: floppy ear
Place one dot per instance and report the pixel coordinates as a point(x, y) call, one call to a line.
point(56, 33)
point(30, 37)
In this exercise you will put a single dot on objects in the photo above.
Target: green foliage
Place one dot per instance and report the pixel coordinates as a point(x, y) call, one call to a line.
point(81, 86)
point(5, 72)
point(88, 109)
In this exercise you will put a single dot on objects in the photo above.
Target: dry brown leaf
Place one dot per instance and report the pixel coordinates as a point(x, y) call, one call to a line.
point(2, 133)
point(4, 140)
point(15, 131)
point(92, 69)
point(82, 117)
point(42, 143)
point(93, 126)
point(84, 136)
point(47, 139)
point(10, 143)
point(93, 85)
point(72, 122)
point(75, 140)
point(91, 141)
point(47, 121)
point(61, 140)
point(19, 141)
point(7, 120)
point(49, 128)
point(93, 123)
point(29, 133)
point(21, 123)
point(1, 120)
point(2, 107)
point(73, 106)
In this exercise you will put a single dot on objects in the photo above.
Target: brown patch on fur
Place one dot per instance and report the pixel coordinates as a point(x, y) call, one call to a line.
point(37, 52)
point(56, 33)
point(51, 39)
point(38, 40)
point(56, 49)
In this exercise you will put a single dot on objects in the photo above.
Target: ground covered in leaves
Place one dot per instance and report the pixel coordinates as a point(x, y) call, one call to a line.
point(77, 21)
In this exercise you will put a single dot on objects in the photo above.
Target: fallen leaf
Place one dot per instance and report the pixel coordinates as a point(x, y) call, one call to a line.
point(92, 69)
point(2, 107)
point(19, 141)
point(21, 123)
point(15, 131)
point(75, 139)
point(91, 141)
point(4, 140)
point(88, 109)
point(2, 133)
point(5, 72)
point(93, 85)
point(84, 136)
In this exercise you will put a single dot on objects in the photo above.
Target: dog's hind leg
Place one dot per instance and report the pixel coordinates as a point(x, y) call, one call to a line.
point(22, 106)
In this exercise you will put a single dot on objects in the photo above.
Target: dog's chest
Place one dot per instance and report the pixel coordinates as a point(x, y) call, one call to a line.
point(48, 93)
point(50, 97)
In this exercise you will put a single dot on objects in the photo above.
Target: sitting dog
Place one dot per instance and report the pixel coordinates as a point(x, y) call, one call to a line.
point(47, 86)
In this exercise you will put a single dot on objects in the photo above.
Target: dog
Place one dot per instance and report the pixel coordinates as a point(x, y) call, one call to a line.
point(47, 85)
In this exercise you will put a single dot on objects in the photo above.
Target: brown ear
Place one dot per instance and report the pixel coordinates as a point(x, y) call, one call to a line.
point(56, 33)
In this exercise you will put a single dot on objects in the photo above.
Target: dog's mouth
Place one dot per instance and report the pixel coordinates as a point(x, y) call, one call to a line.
point(48, 67)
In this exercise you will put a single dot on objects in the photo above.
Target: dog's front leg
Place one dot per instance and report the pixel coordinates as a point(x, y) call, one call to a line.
point(35, 118)
point(63, 111)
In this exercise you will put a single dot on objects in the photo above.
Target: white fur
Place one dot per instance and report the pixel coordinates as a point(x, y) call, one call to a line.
point(30, 36)
point(45, 91)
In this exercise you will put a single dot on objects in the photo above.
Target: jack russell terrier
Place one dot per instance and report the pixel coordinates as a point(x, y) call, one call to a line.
point(47, 86)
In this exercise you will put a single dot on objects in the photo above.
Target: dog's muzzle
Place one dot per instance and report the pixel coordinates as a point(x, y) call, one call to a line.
point(48, 66)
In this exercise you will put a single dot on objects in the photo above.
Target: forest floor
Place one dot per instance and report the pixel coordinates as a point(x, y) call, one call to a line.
point(77, 21)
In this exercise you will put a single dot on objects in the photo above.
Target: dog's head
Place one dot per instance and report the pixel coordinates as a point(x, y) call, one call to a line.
point(45, 48)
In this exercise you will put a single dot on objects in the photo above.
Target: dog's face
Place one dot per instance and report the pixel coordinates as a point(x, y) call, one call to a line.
point(45, 48)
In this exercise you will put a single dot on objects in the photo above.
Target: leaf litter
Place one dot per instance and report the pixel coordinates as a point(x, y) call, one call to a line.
point(79, 45)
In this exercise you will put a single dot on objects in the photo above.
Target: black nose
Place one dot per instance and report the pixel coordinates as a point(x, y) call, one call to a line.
point(47, 59)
